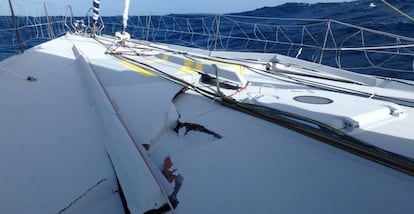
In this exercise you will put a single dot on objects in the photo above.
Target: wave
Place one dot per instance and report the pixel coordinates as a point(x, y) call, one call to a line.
point(358, 13)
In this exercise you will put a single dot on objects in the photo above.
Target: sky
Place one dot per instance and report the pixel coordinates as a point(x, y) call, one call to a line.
point(144, 7)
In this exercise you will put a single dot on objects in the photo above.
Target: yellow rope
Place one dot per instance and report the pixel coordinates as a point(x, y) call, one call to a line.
point(399, 11)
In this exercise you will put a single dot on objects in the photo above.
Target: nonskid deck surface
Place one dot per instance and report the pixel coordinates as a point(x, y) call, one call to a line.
point(230, 161)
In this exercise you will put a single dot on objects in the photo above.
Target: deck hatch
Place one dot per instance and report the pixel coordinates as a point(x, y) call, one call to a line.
point(313, 99)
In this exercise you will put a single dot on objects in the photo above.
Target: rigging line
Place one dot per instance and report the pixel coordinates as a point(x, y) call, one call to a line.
point(49, 24)
point(16, 28)
point(13, 73)
point(375, 157)
point(298, 80)
point(58, 69)
point(329, 87)
point(326, 134)
point(372, 47)
point(397, 80)
point(335, 137)
point(225, 60)
point(316, 76)
point(308, 82)
point(169, 77)
point(291, 79)
point(398, 10)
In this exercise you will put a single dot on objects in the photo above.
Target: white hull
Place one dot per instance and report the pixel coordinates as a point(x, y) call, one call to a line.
point(88, 114)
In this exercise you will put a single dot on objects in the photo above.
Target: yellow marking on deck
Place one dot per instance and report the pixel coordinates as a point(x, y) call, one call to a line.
point(164, 58)
point(191, 66)
point(199, 66)
point(238, 68)
point(154, 61)
point(241, 70)
point(137, 69)
point(187, 67)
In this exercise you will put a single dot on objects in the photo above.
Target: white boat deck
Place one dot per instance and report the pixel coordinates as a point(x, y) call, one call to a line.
point(57, 134)
point(381, 123)
point(51, 139)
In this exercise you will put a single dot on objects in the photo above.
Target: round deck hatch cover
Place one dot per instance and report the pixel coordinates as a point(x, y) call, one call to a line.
point(313, 99)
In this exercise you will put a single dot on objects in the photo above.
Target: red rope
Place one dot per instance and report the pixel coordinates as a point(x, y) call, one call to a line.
point(239, 90)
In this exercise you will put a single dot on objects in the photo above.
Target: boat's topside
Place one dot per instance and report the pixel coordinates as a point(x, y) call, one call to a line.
point(375, 110)
point(51, 139)
point(90, 111)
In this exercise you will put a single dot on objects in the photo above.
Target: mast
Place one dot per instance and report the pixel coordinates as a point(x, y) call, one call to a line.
point(125, 16)
point(123, 35)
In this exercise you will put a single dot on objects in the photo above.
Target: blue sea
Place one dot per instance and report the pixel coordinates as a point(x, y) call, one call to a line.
point(276, 24)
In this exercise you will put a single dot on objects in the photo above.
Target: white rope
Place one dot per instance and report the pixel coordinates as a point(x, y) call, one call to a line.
point(13, 73)
point(58, 69)
point(373, 47)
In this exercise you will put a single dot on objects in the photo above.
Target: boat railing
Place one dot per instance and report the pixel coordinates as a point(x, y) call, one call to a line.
point(40, 23)
point(19, 32)
point(323, 41)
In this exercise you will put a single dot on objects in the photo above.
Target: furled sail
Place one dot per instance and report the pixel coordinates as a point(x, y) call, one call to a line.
point(123, 35)
point(125, 16)
point(96, 10)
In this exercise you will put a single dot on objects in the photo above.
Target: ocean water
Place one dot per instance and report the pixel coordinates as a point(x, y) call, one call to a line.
point(200, 30)
point(358, 13)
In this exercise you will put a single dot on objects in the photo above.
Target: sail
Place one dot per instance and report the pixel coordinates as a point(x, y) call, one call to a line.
point(96, 10)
